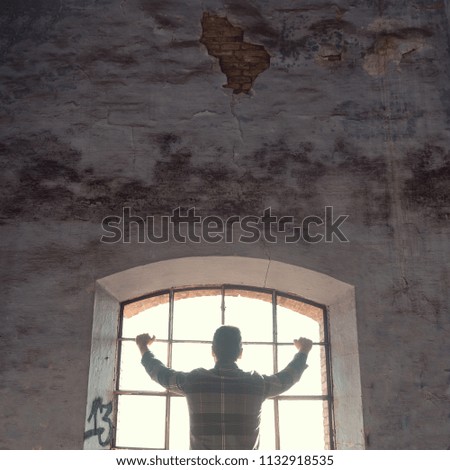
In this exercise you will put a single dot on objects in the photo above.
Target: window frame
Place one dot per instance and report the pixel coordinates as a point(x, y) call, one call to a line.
point(338, 296)
point(224, 289)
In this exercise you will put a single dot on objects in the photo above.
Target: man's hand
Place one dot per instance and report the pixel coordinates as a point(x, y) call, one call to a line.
point(304, 345)
point(144, 341)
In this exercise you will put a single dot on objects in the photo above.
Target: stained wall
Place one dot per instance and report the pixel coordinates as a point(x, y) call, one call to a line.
point(107, 104)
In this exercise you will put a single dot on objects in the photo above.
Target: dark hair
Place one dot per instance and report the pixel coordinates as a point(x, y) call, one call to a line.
point(227, 343)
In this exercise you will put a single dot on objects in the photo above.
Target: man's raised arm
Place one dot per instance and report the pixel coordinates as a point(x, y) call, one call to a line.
point(168, 378)
point(283, 380)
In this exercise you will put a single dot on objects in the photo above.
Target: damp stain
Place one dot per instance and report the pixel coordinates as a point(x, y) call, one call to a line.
point(428, 188)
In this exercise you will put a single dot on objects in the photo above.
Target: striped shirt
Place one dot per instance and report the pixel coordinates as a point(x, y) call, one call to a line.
point(224, 402)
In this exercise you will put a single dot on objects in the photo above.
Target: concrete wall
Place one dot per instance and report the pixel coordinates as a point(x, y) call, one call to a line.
point(110, 103)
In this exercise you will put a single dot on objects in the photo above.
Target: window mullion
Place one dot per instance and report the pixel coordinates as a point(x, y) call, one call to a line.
point(170, 332)
point(169, 364)
point(222, 305)
point(329, 379)
point(275, 368)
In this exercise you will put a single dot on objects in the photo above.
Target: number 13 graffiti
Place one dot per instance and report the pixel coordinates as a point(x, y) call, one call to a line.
point(98, 409)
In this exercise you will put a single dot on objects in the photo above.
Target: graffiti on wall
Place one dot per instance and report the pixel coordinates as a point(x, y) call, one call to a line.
point(100, 413)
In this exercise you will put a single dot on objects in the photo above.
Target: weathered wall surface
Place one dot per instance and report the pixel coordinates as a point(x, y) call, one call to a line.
point(110, 103)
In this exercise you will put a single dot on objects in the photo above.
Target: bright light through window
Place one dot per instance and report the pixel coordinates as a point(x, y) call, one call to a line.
point(184, 322)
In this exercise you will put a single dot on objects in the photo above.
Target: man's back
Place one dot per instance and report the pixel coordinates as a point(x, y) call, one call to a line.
point(224, 402)
point(224, 407)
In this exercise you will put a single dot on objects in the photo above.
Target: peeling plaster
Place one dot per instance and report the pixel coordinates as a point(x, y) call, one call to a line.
point(240, 61)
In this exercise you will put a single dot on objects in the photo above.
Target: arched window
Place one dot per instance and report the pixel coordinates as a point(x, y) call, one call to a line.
point(162, 290)
point(184, 321)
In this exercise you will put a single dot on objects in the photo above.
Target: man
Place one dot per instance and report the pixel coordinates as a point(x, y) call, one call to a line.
point(224, 402)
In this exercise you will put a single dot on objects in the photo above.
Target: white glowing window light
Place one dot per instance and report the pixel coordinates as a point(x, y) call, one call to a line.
point(184, 321)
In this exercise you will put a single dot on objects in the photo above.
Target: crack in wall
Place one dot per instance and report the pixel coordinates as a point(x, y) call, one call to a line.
point(238, 122)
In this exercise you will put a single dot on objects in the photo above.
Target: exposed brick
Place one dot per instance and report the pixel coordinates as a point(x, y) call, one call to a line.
point(246, 45)
point(232, 46)
point(134, 308)
point(237, 73)
point(241, 62)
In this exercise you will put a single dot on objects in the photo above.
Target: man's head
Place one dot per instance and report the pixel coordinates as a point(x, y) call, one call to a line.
point(227, 344)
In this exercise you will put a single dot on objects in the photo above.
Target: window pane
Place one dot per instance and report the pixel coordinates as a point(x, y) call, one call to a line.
point(141, 421)
point(197, 317)
point(302, 308)
point(154, 320)
point(132, 374)
point(301, 424)
point(189, 356)
point(258, 358)
point(179, 424)
point(292, 325)
point(252, 316)
point(267, 430)
point(311, 380)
